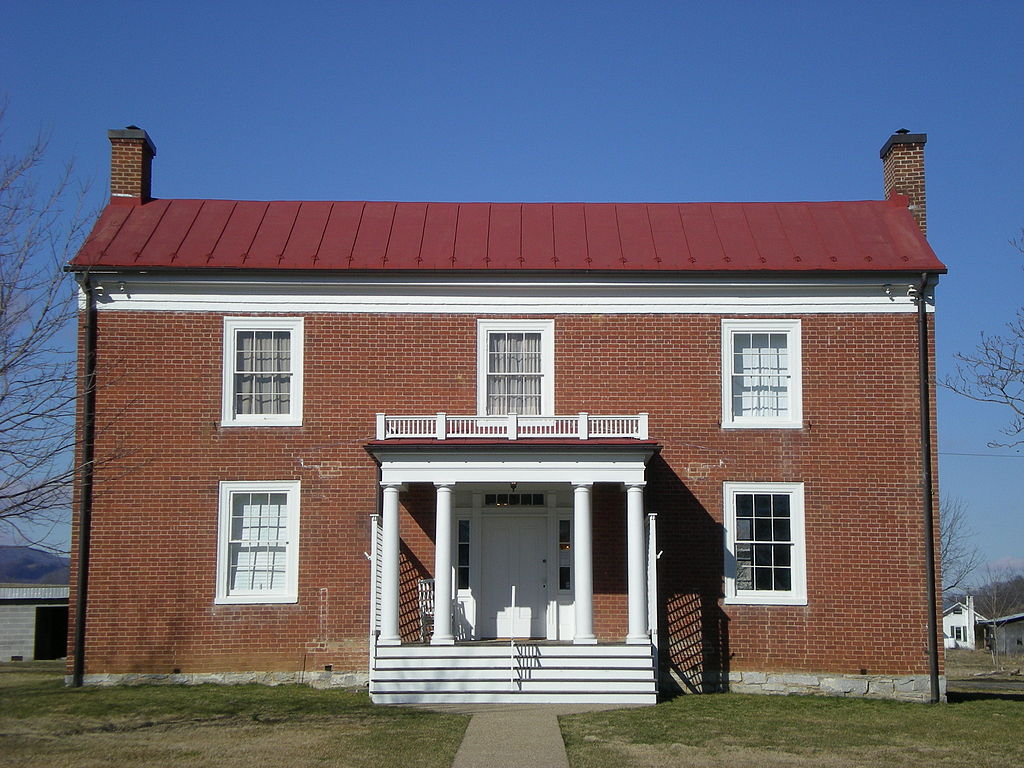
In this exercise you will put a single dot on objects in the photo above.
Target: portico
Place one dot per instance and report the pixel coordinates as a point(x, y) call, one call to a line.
point(513, 557)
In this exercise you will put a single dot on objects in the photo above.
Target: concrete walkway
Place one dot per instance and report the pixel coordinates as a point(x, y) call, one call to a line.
point(514, 735)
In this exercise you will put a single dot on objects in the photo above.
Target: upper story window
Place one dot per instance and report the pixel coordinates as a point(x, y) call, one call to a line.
point(257, 552)
point(262, 371)
point(761, 381)
point(764, 543)
point(515, 367)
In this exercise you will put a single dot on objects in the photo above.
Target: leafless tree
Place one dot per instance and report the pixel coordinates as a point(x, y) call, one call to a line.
point(960, 555)
point(994, 372)
point(41, 227)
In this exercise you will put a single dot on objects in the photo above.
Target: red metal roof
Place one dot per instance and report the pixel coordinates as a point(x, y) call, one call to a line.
point(858, 236)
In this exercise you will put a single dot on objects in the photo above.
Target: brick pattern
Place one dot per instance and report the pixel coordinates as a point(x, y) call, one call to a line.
point(903, 174)
point(131, 164)
point(152, 574)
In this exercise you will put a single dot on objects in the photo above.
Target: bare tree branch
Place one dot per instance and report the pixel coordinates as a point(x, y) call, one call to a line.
point(960, 555)
point(994, 373)
point(40, 229)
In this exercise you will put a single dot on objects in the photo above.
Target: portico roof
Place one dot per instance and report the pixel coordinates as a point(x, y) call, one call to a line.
point(520, 461)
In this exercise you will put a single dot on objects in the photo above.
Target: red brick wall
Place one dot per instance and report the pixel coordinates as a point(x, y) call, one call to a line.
point(903, 174)
point(131, 164)
point(155, 517)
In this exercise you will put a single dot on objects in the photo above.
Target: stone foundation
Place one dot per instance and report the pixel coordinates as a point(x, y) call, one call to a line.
point(313, 679)
point(898, 687)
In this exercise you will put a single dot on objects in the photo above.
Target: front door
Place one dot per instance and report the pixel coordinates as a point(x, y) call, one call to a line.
point(513, 576)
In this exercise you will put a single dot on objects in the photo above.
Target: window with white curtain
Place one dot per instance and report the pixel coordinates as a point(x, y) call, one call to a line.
point(257, 553)
point(515, 367)
point(761, 366)
point(262, 371)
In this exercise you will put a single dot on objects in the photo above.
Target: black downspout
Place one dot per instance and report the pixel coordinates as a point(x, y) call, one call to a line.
point(927, 483)
point(85, 470)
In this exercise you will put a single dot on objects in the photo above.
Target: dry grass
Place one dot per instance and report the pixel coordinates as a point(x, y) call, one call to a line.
point(964, 664)
point(769, 731)
point(44, 724)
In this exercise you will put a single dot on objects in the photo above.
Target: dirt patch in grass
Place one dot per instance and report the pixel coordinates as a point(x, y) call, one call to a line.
point(43, 723)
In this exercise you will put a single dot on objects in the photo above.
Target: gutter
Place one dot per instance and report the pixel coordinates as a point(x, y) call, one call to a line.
point(927, 485)
point(85, 480)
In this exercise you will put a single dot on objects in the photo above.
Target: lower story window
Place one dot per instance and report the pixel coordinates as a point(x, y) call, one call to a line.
point(257, 552)
point(764, 532)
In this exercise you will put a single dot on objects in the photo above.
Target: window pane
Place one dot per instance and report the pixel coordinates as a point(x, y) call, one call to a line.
point(564, 577)
point(744, 529)
point(762, 554)
point(744, 577)
point(783, 554)
point(762, 529)
point(780, 504)
point(780, 530)
point(745, 504)
point(783, 579)
point(762, 578)
point(762, 505)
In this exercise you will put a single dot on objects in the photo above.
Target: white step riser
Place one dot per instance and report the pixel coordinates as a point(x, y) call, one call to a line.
point(541, 651)
point(504, 663)
point(526, 686)
point(521, 698)
point(498, 674)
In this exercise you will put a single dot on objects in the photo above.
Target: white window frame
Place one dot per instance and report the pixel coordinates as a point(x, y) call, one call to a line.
point(289, 593)
point(795, 418)
point(797, 595)
point(231, 326)
point(546, 328)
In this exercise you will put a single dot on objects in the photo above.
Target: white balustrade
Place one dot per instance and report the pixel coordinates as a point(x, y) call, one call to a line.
point(443, 426)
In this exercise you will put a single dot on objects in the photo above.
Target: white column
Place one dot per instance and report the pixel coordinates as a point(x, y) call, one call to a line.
point(583, 565)
point(443, 566)
point(389, 569)
point(637, 580)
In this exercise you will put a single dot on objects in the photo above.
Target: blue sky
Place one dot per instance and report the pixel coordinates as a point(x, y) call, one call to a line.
point(553, 101)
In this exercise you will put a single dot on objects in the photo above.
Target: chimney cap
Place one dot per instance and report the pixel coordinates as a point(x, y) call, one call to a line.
point(902, 136)
point(132, 132)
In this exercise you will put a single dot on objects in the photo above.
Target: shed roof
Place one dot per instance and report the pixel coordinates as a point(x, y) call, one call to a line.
point(858, 236)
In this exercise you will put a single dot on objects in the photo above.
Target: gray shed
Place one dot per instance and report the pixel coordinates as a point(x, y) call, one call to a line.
point(33, 621)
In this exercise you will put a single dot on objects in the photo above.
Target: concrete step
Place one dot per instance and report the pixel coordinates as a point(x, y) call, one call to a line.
point(591, 697)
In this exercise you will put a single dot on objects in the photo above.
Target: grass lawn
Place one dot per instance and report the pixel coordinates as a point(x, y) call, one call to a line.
point(770, 731)
point(42, 723)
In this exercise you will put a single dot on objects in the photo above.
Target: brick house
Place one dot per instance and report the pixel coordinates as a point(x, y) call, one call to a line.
point(615, 446)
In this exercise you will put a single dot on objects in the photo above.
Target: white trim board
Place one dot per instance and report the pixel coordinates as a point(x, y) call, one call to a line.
point(463, 464)
point(473, 294)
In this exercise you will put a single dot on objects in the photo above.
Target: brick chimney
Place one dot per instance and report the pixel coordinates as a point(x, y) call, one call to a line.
point(903, 171)
point(131, 164)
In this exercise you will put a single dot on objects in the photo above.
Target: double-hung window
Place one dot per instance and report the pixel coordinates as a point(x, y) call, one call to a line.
point(764, 543)
point(761, 381)
point(257, 549)
point(515, 367)
point(262, 371)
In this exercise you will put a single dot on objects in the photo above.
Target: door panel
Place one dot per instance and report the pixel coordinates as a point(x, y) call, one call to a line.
point(514, 554)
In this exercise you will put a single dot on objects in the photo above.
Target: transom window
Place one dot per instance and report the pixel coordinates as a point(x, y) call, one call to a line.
point(262, 371)
point(764, 543)
point(761, 373)
point(514, 500)
point(257, 552)
point(515, 367)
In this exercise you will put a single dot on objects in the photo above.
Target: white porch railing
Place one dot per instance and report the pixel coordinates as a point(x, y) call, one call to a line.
point(443, 426)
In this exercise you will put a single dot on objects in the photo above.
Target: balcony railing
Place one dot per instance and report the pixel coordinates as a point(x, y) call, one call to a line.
point(443, 426)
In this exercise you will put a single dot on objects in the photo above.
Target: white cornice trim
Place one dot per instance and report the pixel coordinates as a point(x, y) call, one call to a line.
point(540, 295)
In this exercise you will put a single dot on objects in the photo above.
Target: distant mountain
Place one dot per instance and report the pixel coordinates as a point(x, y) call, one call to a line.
point(24, 565)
